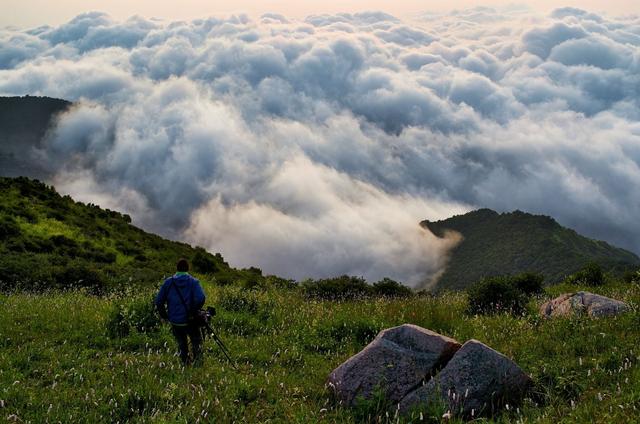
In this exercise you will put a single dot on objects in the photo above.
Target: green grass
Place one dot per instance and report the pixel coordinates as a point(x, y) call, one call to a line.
point(47, 227)
point(60, 361)
point(58, 364)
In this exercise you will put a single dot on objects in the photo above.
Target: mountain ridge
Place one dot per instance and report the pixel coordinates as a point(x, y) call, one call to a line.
point(51, 241)
point(513, 242)
point(24, 122)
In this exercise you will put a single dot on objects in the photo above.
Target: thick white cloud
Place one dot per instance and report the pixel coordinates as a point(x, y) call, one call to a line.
point(314, 148)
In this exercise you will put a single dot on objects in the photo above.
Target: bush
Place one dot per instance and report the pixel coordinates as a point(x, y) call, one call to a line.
point(390, 288)
point(8, 227)
point(65, 246)
point(590, 275)
point(26, 272)
point(631, 277)
point(138, 314)
point(361, 330)
point(529, 283)
point(238, 300)
point(280, 283)
point(80, 275)
point(339, 288)
point(204, 262)
point(127, 247)
point(495, 295)
point(224, 279)
point(253, 284)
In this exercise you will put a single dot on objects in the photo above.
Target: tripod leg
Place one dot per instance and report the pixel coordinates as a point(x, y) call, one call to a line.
point(221, 345)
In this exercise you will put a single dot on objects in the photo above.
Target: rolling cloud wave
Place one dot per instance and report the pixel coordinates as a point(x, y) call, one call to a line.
point(314, 148)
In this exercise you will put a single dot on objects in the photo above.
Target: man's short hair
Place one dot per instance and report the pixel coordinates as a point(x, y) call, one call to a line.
point(183, 265)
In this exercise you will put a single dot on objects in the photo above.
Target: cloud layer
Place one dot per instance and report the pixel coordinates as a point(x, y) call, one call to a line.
point(313, 148)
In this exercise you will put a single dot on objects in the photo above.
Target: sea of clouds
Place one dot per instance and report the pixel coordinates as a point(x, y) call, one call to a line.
point(314, 147)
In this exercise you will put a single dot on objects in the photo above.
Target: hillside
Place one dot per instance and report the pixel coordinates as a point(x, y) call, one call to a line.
point(48, 240)
point(72, 356)
point(24, 122)
point(510, 243)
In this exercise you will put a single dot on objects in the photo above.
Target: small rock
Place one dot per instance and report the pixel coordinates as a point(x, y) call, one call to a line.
point(593, 305)
point(477, 381)
point(397, 361)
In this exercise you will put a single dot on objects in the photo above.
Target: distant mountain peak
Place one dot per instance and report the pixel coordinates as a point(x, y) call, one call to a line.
point(24, 122)
point(512, 242)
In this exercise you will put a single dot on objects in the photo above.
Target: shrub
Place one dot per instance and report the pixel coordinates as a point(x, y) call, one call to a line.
point(65, 246)
point(204, 262)
point(238, 300)
point(23, 211)
point(358, 330)
point(340, 288)
point(281, 283)
point(224, 279)
point(137, 314)
point(390, 288)
point(22, 271)
point(529, 283)
point(495, 295)
point(252, 283)
point(590, 275)
point(631, 277)
point(8, 227)
point(38, 244)
point(128, 248)
point(81, 275)
point(254, 270)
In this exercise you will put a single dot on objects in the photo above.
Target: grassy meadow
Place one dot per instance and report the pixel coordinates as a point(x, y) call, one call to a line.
point(65, 356)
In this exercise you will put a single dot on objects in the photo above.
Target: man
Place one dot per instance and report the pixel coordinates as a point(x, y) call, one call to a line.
point(182, 296)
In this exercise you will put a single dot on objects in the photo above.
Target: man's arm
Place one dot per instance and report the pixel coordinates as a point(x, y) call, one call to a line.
point(161, 300)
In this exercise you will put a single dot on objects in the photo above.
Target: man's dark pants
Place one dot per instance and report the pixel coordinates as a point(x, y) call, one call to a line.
point(184, 332)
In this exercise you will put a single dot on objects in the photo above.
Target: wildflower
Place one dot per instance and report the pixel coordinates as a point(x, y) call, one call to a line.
point(447, 415)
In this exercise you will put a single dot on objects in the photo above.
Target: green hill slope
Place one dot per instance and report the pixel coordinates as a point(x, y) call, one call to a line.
point(509, 243)
point(24, 121)
point(48, 240)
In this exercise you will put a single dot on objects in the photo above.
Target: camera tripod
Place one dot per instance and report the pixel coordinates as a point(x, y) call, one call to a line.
point(208, 331)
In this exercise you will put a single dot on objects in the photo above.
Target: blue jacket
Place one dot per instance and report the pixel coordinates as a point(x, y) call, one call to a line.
point(168, 295)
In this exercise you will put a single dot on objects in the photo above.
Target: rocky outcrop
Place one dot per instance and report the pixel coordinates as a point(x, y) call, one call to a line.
point(415, 368)
point(580, 303)
point(397, 361)
point(477, 381)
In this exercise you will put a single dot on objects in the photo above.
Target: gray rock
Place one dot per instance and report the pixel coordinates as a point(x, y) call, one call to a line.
point(397, 361)
point(476, 381)
point(583, 303)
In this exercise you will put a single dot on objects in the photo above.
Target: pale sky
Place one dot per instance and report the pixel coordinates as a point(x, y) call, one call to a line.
point(31, 13)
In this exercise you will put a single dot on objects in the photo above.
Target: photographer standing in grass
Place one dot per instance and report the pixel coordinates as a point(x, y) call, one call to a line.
point(178, 300)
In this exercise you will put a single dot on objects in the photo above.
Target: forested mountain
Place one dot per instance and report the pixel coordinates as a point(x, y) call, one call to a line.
point(510, 243)
point(24, 122)
point(48, 240)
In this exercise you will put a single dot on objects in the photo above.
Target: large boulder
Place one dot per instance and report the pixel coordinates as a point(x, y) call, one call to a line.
point(397, 361)
point(477, 381)
point(583, 303)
